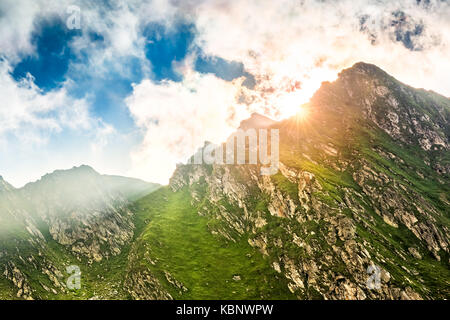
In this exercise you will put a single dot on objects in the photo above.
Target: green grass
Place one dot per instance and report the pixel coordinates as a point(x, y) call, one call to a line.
point(286, 186)
point(102, 280)
point(182, 244)
point(7, 290)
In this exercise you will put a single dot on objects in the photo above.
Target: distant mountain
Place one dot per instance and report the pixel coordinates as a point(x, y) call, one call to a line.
point(5, 186)
point(77, 214)
point(256, 121)
point(83, 186)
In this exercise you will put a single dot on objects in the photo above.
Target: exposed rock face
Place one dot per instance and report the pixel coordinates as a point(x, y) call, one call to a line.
point(87, 235)
point(409, 115)
point(19, 280)
point(144, 286)
point(5, 186)
point(315, 271)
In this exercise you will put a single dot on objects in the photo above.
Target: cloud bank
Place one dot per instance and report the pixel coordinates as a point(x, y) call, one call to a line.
point(286, 47)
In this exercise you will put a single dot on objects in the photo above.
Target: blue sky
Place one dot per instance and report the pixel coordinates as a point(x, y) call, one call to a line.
point(139, 85)
point(55, 61)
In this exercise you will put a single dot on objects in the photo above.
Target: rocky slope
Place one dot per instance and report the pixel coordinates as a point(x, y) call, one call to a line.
point(360, 206)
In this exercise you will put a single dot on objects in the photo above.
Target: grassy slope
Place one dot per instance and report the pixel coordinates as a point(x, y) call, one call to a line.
point(7, 290)
point(101, 280)
point(181, 243)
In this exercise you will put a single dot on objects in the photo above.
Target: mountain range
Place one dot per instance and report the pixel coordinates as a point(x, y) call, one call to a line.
point(359, 209)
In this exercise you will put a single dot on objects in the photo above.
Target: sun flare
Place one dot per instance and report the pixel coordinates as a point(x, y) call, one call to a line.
point(302, 112)
point(292, 102)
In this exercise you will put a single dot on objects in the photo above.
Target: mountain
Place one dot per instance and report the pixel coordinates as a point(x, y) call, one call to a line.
point(256, 121)
point(74, 214)
point(359, 209)
point(5, 186)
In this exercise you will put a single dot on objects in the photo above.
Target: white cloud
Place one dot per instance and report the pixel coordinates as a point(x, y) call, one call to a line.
point(42, 131)
point(280, 40)
point(16, 23)
point(30, 119)
point(26, 110)
point(177, 118)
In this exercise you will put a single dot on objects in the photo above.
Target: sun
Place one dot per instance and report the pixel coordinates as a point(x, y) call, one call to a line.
point(302, 113)
point(290, 104)
point(294, 102)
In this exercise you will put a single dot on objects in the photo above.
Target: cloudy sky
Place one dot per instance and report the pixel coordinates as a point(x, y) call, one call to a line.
point(133, 87)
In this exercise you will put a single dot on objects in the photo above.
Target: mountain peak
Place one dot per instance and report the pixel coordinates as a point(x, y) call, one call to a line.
point(412, 116)
point(74, 173)
point(4, 185)
point(85, 168)
point(256, 121)
point(363, 68)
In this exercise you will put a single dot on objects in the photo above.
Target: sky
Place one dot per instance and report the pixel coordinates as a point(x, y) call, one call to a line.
point(134, 87)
